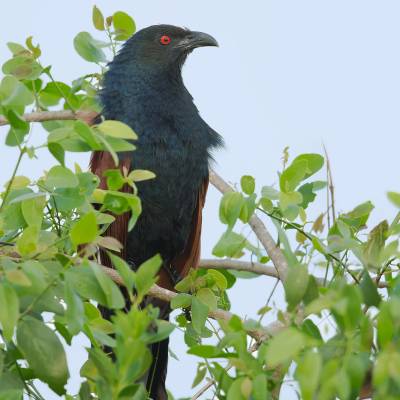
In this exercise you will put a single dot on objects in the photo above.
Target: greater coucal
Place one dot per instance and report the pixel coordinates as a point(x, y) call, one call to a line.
point(143, 88)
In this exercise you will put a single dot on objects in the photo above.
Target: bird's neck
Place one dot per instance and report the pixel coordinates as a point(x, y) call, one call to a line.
point(129, 90)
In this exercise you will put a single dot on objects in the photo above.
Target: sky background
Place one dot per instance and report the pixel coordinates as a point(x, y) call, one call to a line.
point(288, 73)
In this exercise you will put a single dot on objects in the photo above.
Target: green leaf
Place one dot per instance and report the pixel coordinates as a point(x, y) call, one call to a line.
point(284, 347)
point(293, 175)
point(9, 310)
point(44, 353)
point(84, 230)
point(11, 386)
point(87, 134)
point(206, 351)
point(248, 184)
point(235, 390)
point(385, 326)
point(307, 193)
point(32, 210)
point(207, 297)
point(111, 291)
point(309, 328)
point(124, 25)
point(15, 137)
point(13, 93)
point(308, 373)
point(229, 245)
point(358, 217)
point(17, 277)
point(260, 390)
point(50, 95)
point(146, 275)
point(89, 48)
point(61, 177)
point(314, 163)
point(115, 180)
point(219, 278)
point(27, 243)
point(35, 50)
point(17, 49)
point(199, 314)
point(117, 129)
point(17, 122)
point(270, 193)
point(375, 244)
point(201, 373)
point(57, 152)
point(163, 330)
point(84, 281)
point(98, 19)
point(289, 199)
point(300, 169)
point(394, 198)
point(266, 204)
point(296, 284)
point(74, 313)
point(369, 291)
point(115, 144)
point(248, 208)
point(139, 175)
point(68, 139)
point(182, 300)
point(230, 207)
point(22, 67)
point(127, 275)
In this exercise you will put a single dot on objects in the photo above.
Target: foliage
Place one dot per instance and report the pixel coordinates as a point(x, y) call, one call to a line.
point(342, 276)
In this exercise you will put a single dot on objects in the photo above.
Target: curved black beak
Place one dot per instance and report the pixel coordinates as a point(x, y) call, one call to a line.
point(197, 39)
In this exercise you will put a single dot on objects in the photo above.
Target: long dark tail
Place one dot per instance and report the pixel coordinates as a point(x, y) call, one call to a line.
point(157, 374)
point(158, 371)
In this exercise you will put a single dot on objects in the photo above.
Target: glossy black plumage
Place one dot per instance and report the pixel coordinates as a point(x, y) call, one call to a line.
point(144, 89)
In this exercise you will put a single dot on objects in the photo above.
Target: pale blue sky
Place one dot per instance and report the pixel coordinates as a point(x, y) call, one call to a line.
point(296, 72)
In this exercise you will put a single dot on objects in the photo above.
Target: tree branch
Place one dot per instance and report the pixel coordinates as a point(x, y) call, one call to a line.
point(260, 230)
point(64, 115)
point(254, 267)
point(167, 295)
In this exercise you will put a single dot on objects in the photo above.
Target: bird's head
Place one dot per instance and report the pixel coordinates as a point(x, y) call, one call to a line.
point(163, 46)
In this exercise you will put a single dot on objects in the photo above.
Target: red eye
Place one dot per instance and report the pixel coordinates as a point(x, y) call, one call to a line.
point(164, 40)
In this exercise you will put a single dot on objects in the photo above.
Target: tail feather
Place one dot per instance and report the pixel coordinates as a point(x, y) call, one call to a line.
point(158, 371)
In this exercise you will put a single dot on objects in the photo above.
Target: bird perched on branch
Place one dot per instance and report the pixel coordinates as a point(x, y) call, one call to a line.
point(144, 89)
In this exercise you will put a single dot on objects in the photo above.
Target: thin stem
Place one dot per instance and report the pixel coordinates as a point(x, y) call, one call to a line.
point(113, 46)
point(34, 302)
point(330, 185)
point(49, 74)
point(308, 236)
point(10, 182)
point(51, 213)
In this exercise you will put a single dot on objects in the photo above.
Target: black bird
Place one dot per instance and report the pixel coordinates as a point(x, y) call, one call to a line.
point(144, 89)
